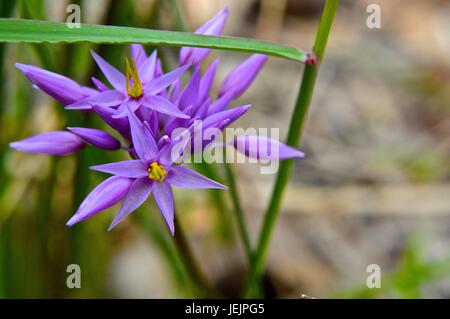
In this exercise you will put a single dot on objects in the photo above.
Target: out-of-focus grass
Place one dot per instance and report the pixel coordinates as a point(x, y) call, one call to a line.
point(412, 274)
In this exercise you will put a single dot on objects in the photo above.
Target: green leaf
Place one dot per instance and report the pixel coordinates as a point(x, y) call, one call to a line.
point(33, 31)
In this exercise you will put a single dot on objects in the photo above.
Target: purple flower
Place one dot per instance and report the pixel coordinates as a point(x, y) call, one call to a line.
point(243, 75)
point(139, 87)
point(152, 171)
point(98, 138)
point(147, 107)
point(212, 27)
point(263, 147)
point(59, 87)
point(50, 143)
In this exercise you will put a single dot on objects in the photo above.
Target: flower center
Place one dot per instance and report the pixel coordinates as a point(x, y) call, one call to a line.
point(133, 84)
point(157, 172)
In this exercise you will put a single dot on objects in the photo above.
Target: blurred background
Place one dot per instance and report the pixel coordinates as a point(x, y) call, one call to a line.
point(373, 189)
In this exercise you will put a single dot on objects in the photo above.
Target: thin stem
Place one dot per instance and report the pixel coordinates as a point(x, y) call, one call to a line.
point(188, 258)
point(179, 16)
point(239, 213)
point(293, 139)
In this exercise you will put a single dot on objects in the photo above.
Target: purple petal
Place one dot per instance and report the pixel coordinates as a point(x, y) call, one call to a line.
point(154, 122)
point(147, 69)
point(138, 54)
point(163, 141)
point(231, 114)
point(178, 122)
point(130, 168)
point(202, 110)
point(159, 68)
point(96, 137)
point(243, 75)
point(181, 176)
point(104, 98)
point(212, 27)
point(106, 113)
point(50, 143)
point(114, 76)
point(136, 196)
point(221, 103)
point(157, 85)
point(162, 105)
point(175, 90)
point(57, 86)
point(190, 93)
point(172, 151)
point(263, 147)
point(99, 84)
point(143, 141)
point(122, 110)
point(207, 81)
point(164, 198)
point(103, 196)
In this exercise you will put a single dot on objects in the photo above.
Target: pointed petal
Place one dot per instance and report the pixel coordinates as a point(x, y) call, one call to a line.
point(212, 27)
point(164, 198)
point(122, 110)
point(103, 196)
point(96, 137)
point(189, 95)
point(57, 86)
point(263, 147)
point(143, 141)
point(207, 81)
point(104, 98)
point(181, 176)
point(138, 54)
point(172, 151)
point(136, 196)
point(99, 84)
point(162, 105)
point(106, 113)
point(159, 68)
point(50, 143)
point(147, 69)
point(177, 122)
point(202, 110)
point(129, 168)
point(221, 103)
point(243, 75)
point(163, 141)
point(160, 83)
point(114, 76)
point(231, 114)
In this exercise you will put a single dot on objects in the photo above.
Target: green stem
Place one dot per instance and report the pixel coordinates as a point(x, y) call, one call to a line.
point(239, 213)
point(180, 21)
point(293, 139)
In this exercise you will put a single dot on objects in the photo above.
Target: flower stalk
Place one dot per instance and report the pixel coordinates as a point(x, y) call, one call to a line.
point(293, 139)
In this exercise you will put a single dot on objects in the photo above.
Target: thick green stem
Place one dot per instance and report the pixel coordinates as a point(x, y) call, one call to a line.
point(293, 139)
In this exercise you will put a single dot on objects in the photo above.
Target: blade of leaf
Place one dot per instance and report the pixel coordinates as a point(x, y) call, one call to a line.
point(34, 31)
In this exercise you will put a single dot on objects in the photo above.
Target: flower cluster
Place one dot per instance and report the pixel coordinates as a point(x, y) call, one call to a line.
point(147, 108)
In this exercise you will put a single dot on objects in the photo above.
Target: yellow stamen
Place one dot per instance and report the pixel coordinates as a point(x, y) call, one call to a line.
point(157, 172)
point(134, 89)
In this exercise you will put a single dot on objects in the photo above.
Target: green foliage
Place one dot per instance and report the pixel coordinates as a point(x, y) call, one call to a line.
point(32, 31)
